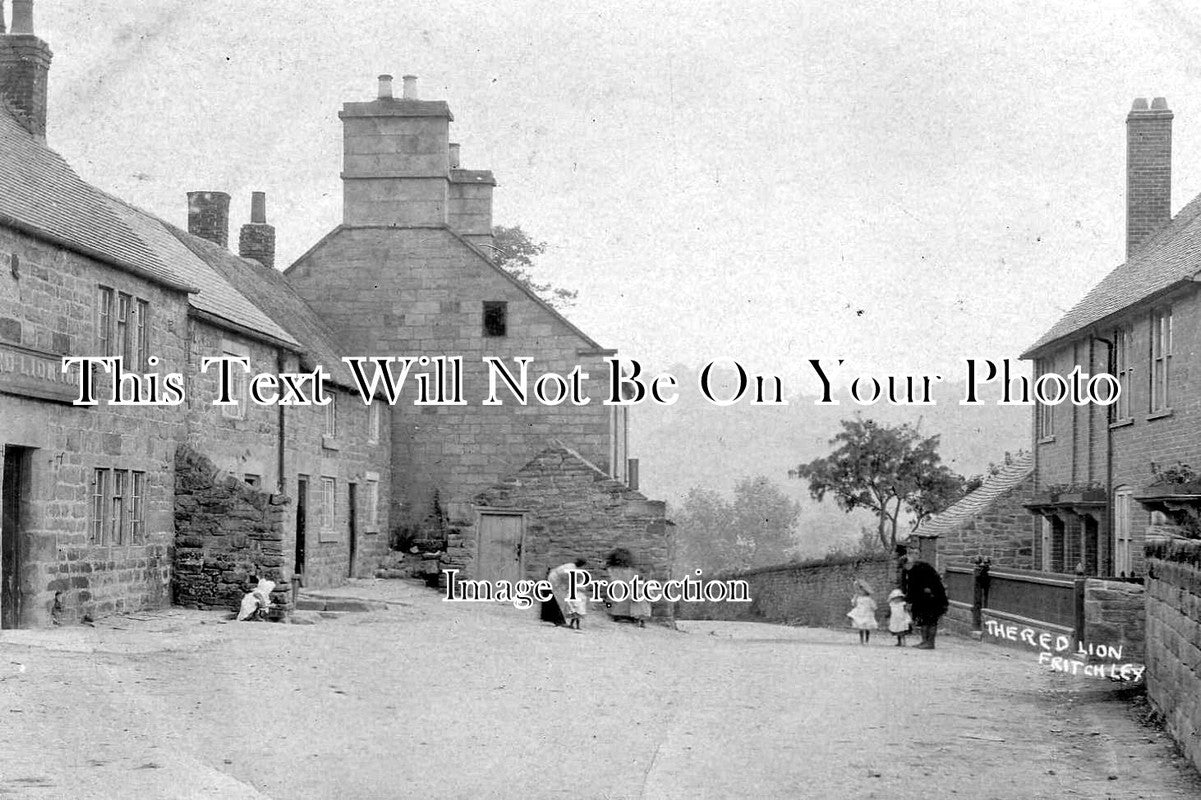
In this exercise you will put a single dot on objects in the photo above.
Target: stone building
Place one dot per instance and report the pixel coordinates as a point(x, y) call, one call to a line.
point(1108, 479)
point(409, 272)
point(991, 522)
point(114, 506)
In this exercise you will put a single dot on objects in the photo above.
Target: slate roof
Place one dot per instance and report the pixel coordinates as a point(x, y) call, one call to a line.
point(41, 194)
point(215, 295)
point(269, 291)
point(993, 487)
point(1169, 258)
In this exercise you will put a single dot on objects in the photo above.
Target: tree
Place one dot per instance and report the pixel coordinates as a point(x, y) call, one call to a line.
point(886, 470)
point(755, 529)
point(514, 252)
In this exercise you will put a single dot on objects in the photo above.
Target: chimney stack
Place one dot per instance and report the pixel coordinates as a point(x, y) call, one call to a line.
point(1148, 171)
point(394, 160)
point(25, 69)
point(208, 216)
point(257, 239)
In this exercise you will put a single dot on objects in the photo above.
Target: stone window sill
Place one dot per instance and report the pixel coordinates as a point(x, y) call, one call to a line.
point(1047, 440)
point(1166, 412)
point(1121, 423)
point(330, 442)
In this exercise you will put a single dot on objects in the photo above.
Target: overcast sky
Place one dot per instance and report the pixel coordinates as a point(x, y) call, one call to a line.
point(903, 185)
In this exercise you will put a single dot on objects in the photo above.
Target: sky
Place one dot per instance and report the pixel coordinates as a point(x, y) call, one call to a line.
point(900, 185)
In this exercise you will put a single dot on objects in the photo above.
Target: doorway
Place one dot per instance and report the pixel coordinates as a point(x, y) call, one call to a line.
point(352, 518)
point(500, 546)
point(14, 497)
point(302, 503)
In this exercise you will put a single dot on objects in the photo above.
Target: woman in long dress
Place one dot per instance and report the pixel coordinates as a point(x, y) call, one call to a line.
point(560, 582)
point(621, 570)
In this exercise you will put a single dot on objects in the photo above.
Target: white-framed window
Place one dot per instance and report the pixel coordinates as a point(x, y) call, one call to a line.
point(1123, 366)
point(1161, 359)
point(374, 416)
point(1123, 547)
point(239, 383)
point(123, 327)
point(371, 501)
point(99, 493)
point(1046, 411)
point(327, 514)
point(331, 416)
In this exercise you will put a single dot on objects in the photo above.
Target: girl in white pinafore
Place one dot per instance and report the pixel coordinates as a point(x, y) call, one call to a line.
point(863, 612)
point(899, 621)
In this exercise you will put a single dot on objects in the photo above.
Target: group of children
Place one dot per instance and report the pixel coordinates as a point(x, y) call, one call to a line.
point(863, 614)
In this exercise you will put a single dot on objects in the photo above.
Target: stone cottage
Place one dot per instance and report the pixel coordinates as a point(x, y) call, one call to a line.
point(991, 522)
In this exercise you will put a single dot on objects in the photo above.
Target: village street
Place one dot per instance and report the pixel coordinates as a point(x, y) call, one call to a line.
point(432, 699)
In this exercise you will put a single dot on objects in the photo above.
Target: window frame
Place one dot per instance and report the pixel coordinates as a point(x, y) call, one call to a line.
point(118, 508)
point(1123, 372)
point(240, 380)
point(1046, 411)
point(1160, 361)
point(327, 513)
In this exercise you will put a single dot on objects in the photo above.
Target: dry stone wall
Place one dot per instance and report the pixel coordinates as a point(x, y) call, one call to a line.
point(1174, 640)
point(226, 533)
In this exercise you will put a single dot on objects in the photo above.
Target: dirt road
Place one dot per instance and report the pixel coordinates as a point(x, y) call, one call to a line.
point(432, 699)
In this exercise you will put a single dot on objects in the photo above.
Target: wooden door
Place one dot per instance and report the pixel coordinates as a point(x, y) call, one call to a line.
point(352, 518)
point(12, 500)
point(500, 543)
point(302, 505)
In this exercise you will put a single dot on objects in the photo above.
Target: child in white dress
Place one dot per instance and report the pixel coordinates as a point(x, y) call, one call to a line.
point(863, 612)
point(899, 621)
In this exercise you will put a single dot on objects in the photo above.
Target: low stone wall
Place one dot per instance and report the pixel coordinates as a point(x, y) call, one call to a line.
point(1115, 615)
point(225, 532)
point(816, 594)
point(1174, 640)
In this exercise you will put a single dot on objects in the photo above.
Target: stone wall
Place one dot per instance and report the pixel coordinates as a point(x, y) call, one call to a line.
point(1174, 640)
point(226, 532)
point(1115, 615)
point(570, 510)
point(816, 593)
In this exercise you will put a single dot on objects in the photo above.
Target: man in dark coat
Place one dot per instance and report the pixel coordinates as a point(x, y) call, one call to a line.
point(927, 599)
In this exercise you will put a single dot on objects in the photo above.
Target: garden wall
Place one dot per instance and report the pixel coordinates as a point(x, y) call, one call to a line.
point(816, 594)
point(1174, 639)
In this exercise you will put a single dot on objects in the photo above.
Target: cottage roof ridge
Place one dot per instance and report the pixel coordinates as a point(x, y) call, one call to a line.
point(1169, 258)
point(977, 501)
point(42, 195)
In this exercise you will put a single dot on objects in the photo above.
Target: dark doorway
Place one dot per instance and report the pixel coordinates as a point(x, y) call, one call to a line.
point(302, 503)
point(352, 516)
point(13, 501)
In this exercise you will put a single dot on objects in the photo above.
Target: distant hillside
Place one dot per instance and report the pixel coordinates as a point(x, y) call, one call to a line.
point(697, 444)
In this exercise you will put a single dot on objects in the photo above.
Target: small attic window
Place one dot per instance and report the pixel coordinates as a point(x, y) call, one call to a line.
point(496, 317)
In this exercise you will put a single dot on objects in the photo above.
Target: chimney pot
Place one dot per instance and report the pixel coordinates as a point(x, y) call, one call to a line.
point(208, 216)
point(410, 87)
point(1159, 104)
point(258, 207)
point(22, 17)
point(454, 155)
point(1140, 104)
point(385, 87)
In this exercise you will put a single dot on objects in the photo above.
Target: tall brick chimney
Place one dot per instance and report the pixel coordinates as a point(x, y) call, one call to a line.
point(25, 69)
point(208, 216)
point(257, 239)
point(1148, 170)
